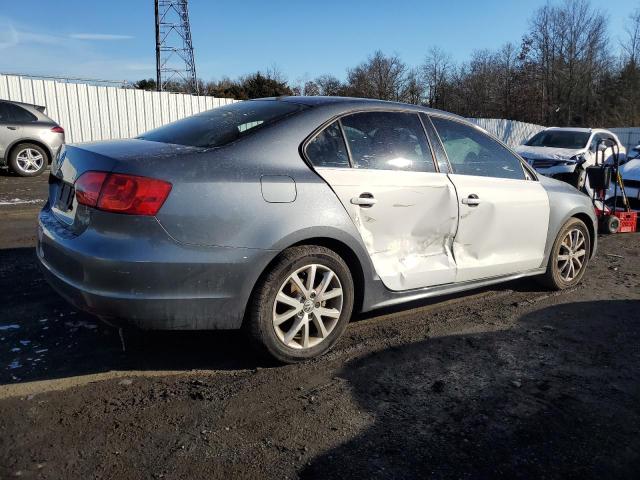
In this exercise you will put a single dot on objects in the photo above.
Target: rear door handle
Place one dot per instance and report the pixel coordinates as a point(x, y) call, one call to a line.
point(472, 200)
point(12, 128)
point(365, 200)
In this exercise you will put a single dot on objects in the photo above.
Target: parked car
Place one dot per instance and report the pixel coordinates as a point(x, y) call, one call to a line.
point(29, 140)
point(283, 216)
point(565, 153)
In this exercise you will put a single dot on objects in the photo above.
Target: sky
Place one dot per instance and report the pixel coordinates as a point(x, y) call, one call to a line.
point(115, 39)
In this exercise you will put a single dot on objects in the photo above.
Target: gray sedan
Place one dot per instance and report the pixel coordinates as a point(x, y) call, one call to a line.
point(29, 140)
point(284, 216)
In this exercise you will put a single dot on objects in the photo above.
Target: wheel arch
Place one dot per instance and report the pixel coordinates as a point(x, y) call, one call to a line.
point(39, 143)
point(588, 221)
point(346, 252)
point(350, 258)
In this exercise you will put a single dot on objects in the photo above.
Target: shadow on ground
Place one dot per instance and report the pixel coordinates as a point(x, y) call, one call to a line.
point(557, 396)
point(43, 337)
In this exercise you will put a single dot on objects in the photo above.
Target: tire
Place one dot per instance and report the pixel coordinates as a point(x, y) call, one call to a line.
point(610, 224)
point(558, 275)
point(264, 322)
point(28, 160)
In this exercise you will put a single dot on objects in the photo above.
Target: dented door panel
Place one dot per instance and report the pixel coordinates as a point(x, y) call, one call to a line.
point(409, 226)
point(503, 230)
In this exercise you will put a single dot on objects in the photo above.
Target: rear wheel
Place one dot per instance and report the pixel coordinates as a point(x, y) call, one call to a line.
point(569, 256)
point(28, 160)
point(302, 305)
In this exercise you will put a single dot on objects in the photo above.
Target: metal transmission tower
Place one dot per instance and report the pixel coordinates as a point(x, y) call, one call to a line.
point(174, 49)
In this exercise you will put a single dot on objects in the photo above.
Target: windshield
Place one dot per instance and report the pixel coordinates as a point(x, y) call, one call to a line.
point(560, 139)
point(222, 125)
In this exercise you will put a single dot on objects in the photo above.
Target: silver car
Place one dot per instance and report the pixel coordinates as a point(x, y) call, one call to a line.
point(29, 140)
point(284, 216)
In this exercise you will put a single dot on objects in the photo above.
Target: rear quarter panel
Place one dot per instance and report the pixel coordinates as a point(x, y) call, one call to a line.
point(217, 197)
point(566, 202)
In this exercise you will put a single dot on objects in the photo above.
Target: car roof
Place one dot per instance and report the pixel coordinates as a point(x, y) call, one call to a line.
point(358, 102)
point(578, 129)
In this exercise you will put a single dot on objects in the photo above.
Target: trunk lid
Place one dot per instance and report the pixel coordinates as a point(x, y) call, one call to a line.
point(113, 156)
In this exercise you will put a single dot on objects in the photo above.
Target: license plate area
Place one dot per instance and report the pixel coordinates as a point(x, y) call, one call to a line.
point(64, 201)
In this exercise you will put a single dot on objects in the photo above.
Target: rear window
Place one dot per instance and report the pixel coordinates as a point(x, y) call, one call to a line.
point(13, 113)
point(222, 125)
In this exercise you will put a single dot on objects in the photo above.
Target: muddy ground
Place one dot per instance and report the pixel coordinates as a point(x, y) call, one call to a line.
point(505, 382)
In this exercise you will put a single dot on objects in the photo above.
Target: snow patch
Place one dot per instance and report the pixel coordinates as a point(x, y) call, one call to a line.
point(9, 327)
point(18, 201)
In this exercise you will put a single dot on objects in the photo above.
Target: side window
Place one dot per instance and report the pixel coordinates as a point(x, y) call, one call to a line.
point(327, 149)
point(14, 113)
point(471, 152)
point(388, 141)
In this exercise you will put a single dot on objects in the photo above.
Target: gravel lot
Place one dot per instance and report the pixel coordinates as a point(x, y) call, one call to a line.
point(505, 382)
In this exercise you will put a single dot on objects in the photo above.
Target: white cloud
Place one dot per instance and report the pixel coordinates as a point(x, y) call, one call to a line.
point(99, 36)
point(25, 49)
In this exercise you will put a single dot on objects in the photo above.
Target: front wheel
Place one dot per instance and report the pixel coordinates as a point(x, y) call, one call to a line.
point(569, 256)
point(302, 305)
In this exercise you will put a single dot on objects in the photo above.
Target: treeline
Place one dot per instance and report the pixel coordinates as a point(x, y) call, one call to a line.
point(563, 72)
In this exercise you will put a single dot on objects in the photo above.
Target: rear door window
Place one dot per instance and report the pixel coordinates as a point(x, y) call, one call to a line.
point(223, 125)
point(327, 149)
point(388, 141)
point(471, 152)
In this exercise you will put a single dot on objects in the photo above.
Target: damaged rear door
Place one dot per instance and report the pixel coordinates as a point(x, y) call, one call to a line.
point(504, 212)
point(404, 209)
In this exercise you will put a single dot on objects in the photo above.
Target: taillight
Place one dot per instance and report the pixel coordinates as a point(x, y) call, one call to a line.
point(88, 187)
point(57, 130)
point(120, 193)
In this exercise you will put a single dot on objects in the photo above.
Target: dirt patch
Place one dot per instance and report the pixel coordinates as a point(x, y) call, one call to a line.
point(506, 382)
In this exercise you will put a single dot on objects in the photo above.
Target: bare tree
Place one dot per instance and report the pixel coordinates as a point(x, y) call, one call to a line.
point(381, 77)
point(413, 88)
point(311, 89)
point(632, 46)
point(330, 85)
point(569, 44)
point(436, 70)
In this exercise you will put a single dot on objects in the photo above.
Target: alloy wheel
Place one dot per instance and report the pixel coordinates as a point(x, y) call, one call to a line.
point(29, 160)
point(571, 255)
point(308, 306)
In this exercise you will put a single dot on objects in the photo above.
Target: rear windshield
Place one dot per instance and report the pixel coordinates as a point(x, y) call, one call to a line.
point(559, 139)
point(222, 125)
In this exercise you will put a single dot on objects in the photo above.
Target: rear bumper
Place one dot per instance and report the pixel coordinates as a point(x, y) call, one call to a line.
point(148, 280)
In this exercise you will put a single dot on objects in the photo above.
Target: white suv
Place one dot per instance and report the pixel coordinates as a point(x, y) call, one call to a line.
point(564, 153)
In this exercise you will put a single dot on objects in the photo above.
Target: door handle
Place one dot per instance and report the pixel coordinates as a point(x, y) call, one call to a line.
point(472, 200)
point(12, 128)
point(365, 200)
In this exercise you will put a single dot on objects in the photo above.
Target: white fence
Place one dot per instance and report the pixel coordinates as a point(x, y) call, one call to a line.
point(629, 137)
point(93, 112)
point(515, 133)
